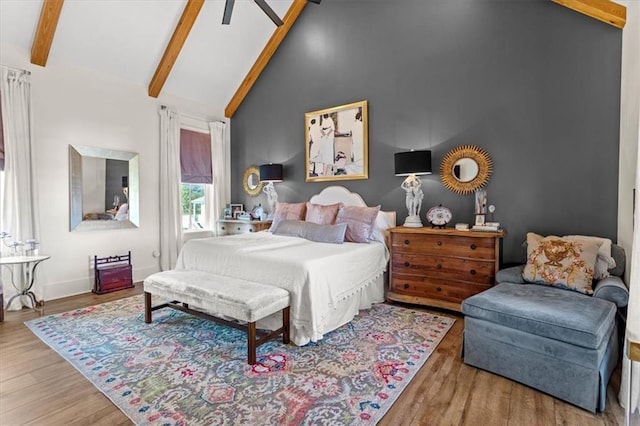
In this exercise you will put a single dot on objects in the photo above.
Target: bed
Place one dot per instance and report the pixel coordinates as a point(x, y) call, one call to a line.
point(328, 283)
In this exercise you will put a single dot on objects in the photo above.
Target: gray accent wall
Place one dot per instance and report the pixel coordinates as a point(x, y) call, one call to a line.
point(535, 84)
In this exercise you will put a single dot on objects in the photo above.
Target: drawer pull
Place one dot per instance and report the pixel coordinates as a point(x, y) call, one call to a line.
point(473, 246)
point(250, 229)
point(439, 243)
point(406, 241)
point(406, 286)
point(407, 264)
point(473, 272)
point(438, 289)
point(222, 227)
point(238, 228)
point(439, 266)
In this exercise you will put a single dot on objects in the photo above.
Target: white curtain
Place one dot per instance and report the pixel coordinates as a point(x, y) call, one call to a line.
point(19, 195)
point(218, 194)
point(633, 313)
point(170, 188)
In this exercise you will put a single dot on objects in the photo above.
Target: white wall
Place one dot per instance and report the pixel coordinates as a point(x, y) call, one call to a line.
point(82, 107)
point(629, 116)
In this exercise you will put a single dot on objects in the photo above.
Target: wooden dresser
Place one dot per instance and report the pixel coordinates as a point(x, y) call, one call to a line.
point(234, 226)
point(442, 267)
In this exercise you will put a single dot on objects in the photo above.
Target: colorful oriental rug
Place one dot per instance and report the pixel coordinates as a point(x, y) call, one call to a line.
point(183, 370)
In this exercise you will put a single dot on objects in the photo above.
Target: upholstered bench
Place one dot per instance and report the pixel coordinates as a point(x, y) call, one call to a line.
point(225, 297)
point(560, 342)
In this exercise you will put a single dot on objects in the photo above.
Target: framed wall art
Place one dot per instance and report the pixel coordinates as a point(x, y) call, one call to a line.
point(337, 143)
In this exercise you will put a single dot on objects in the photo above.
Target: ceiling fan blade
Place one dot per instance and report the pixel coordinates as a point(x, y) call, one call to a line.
point(270, 13)
point(228, 8)
point(314, 1)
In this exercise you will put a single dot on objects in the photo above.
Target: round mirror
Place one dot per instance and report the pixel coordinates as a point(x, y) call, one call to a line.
point(465, 169)
point(251, 181)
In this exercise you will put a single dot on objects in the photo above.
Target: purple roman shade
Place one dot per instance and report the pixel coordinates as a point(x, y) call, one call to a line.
point(195, 157)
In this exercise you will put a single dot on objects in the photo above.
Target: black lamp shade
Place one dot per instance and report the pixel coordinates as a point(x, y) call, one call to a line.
point(412, 163)
point(125, 181)
point(271, 173)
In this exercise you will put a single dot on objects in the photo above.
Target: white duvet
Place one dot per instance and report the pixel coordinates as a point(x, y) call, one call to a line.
point(317, 275)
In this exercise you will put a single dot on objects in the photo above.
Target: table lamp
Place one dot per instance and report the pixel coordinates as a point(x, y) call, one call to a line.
point(412, 164)
point(271, 173)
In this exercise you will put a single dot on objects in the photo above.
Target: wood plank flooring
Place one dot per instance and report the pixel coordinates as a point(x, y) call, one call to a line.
point(37, 387)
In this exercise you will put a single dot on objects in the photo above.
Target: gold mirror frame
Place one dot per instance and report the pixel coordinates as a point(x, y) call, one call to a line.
point(477, 154)
point(253, 192)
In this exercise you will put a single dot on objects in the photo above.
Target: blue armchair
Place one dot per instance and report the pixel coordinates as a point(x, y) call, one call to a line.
point(558, 341)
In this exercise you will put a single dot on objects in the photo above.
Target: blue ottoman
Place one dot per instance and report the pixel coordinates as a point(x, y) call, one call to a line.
point(558, 341)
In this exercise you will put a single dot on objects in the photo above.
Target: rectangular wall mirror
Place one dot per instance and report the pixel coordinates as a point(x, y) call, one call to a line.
point(103, 189)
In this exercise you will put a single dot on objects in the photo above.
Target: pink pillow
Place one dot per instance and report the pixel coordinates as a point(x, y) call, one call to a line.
point(322, 215)
point(359, 222)
point(288, 211)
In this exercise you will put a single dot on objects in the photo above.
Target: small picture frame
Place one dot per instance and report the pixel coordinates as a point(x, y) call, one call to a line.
point(235, 209)
point(480, 219)
point(237, 213)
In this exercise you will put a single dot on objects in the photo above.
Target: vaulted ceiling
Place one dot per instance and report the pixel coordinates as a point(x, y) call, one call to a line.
point(178, 47)
point(127, 38)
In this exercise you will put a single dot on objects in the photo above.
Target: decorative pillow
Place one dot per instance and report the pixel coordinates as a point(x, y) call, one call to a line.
point(560, 262)
point(288, 211)
point(604, 261)
point(359, 221)
point(312, 231)
point(322, 215)
point(384, 221)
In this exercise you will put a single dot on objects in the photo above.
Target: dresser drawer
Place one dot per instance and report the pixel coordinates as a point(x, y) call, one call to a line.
point(433, 288)
point(232, 227)
point(447, 245)
point(457, 268)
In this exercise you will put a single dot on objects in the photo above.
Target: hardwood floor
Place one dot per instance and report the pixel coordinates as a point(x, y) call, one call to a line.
point(38, 387)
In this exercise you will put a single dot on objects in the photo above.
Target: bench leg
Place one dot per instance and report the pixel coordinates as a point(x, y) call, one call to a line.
point(285, 325)
point(251, 342)
point(147, 307)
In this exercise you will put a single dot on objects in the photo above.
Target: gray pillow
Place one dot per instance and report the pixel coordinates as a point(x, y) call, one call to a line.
point(312, 231)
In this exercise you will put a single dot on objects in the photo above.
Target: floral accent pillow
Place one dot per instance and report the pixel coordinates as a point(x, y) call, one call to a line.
point(560, 262)
point(288, 211)
point(322, 215)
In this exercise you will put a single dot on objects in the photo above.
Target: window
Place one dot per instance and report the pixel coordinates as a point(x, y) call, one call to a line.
point(193, 208)
point(195, 164)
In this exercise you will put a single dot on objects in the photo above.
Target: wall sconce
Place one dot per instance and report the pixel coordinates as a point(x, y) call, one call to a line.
point(412, 164)
point(271, 173)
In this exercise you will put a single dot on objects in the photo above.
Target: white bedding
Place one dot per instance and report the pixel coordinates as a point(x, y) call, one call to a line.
point(318, 276)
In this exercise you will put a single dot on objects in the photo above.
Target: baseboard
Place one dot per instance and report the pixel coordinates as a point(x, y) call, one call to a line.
point(52, 291)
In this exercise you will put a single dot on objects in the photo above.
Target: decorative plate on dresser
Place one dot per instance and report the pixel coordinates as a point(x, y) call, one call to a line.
point(442, 267)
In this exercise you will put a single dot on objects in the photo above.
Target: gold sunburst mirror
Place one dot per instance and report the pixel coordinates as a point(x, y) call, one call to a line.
point(465, 169)
point(251, 181)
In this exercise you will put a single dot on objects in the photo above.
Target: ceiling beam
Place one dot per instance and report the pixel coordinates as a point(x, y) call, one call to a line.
point(603, 10)
point(47, 24)
point(180, 34)
point(272, 45)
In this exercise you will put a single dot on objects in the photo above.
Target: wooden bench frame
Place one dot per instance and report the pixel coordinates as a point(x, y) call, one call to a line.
point(254, 339)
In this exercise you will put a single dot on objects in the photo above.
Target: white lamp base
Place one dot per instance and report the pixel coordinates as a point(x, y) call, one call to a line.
point(272, 198)
point(413, 222)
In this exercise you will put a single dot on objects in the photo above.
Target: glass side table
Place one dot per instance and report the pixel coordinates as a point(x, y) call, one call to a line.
point(25, 267)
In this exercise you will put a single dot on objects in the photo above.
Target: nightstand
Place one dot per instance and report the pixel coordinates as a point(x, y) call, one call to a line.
point(235, 226)
point(442, 267)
